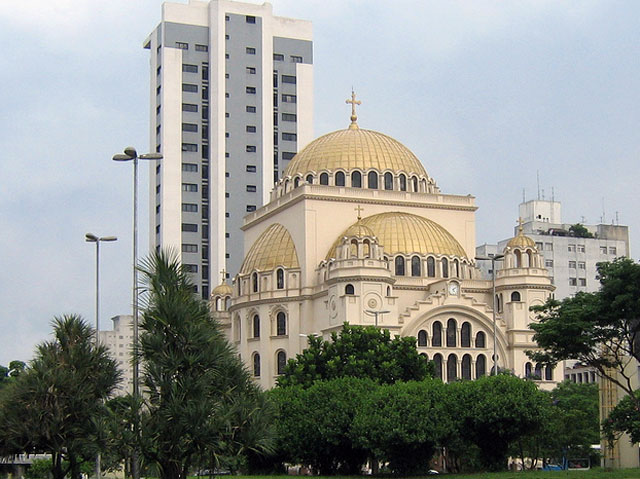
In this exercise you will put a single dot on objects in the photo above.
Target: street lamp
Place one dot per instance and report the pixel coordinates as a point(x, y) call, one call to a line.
point(376, 314)
point(130, 154)
point(91, 238)
point(493, 260)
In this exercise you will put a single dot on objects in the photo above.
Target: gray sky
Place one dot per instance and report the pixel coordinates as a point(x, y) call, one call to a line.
point(485, 93)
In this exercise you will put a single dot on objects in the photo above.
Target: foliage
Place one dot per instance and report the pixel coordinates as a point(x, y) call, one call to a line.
point(403, 423)
point(599, 329)
point(39, 469)
point(361, 352)
point(580, 231)
point(11, 373)
point(54, 406)
point(199, 404)
point(625, 418)
point(315, 425)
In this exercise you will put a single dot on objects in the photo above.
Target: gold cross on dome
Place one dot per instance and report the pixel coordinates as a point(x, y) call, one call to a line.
point(520, 223)
point(353, 102)
point(359, 210)
point(224, 275)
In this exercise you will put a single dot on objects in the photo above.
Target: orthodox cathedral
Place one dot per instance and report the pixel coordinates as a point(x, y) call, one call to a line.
point(356, 230)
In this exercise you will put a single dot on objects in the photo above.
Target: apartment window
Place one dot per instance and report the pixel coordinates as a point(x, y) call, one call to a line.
point(251, 188)
point(251, 208)
point(189, 68)
point(251, 129)
point(289, 79)
point(189, 87)
point(289, 99)
point(226, 135)
point(572, 248)
point(205, 92)
point(580, 248)
point(251, 168)
point(548, 246)
point(603, 250)
point(278, 57)
point(288, 155)
point(158, 229)
point(582, 265)
point(182, 45)
point(548, 263)
point(288, 117)
point(189, 107)
point(296, 59)
point(158, 109)
point(250, 109)
point(189, 248)
point(190, 187)
point(539, 246)
point(251, 149)
point(573, 282)
point(190, 268)
point(157, 209)
point(583, 281)
point(226, 18)
point(190, 227)
point(275, 79)
point(250, 19)
point(251, 90)
point(189, 127)
point(572, 264)
point(226, 56)
point(202, 48)
point(251, 70)
point(205, 132)
point(158, 90)
point(189, 147)
point(612, 250)
point(289, 136)
point(189, 207)
point(226, 37)
point(205, 151)
point(189, 167)
point(205, 72)
point(250, 51)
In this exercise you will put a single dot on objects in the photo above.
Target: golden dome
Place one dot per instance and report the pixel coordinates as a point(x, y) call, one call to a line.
point(354, 148)
point(358, 230)
point(521, 241)
point(406, 233)
point(222, 290)
point(274, 247)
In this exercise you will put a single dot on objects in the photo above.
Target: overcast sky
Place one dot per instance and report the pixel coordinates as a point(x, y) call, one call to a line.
point(485, 93)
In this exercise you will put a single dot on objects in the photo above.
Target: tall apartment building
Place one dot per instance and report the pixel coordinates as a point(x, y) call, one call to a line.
point(231, 104)
point(119, 342)
point(571, 260)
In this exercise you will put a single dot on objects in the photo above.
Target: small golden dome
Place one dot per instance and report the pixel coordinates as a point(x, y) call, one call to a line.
point(521, 240)
point(407, 233)
point(274, 247)
point(358, 230)
point(222, 290)
point(352, 149)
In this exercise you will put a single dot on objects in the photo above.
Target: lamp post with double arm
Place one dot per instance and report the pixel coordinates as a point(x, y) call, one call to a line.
point(493, 260)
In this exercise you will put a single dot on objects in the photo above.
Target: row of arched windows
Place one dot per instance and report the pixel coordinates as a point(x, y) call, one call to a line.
point(451, 336)
point(281, 325)
point(414, 267)
point(515, 297)
point(539, 372)
point(255, 281)
point(466, 367)
point(281, 363)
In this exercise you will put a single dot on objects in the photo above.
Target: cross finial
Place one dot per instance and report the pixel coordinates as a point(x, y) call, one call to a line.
point(224, 275)
point(353, 102)
point(359, 210)
point(520, 223)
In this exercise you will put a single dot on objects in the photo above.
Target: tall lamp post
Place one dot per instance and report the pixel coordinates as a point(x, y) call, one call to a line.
point(91, 238)
point(375, 314)
point(130, 154)
point(493, 260)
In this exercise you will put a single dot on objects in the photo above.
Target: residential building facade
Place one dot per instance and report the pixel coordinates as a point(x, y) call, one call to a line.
point(119, 342)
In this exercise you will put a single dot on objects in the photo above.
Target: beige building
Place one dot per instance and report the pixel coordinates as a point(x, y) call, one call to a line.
point(356, 230)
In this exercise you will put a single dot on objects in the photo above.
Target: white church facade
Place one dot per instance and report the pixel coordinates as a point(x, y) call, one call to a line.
point(356, 230)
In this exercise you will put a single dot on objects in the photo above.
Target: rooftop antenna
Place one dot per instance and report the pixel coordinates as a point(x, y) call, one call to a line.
point(524, 200)
point(583, 220)
point(538, 179)
point(603, 212)
point(542, 194)
point(617, 218)
point(553, 194)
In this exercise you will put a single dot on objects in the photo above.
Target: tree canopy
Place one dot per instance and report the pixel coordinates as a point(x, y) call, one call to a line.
point(580, 231)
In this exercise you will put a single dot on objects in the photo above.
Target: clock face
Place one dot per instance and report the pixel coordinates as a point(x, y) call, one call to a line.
point(453, 289)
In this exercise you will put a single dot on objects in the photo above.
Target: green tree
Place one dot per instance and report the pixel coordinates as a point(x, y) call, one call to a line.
point(197, 394)
point(361, 352)
point(600, 329)
point(54, 406)
point(579, 231)
point(11, 373)
point(625, 418)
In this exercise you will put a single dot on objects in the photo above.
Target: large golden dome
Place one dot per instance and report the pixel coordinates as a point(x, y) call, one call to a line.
point(274, 247)
point(352, 149)
point(406, 234)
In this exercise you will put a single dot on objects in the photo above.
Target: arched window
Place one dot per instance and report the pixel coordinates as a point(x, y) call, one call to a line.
point(399, 266)
point(349, 289)
point(353, 250)
point(256, 364)
point(281, 362)
point(239, 287)
point(548, 373)
point(436, 336)
point(403, 182)
point(227, 303)
point(254, 282)
point(416, 269)
point(324, 179)
point(280, 278)
point(437, 362)
point(465, 335)
point(538, 371)
point(456, 268)
point(414, 181)
point(518, 259)
point(481, 366)
point(310, 179)
point(296, 182)
point(452, 368)
point(281, 324)
point(372, 180)
point(339, 178)
point(515, 296)
point(422, 338)
point(388, 290)
point(466, 367)
point(481, 340)
point(431, 267)
point(445, 268)
point(256, 326)
point(497, 305)
point(500, 303)
point(528, 370)
point(366, 248)
point(452, 333)
point(356, 179)
point(388, 181)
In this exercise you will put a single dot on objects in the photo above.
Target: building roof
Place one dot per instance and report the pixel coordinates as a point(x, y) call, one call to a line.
point(406, 233)
point(274, 247)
